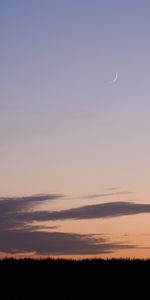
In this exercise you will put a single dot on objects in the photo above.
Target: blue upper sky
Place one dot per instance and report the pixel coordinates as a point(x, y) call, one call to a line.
point(57, 60)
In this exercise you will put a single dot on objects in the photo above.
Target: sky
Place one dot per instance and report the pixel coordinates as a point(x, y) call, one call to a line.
point(74, 146)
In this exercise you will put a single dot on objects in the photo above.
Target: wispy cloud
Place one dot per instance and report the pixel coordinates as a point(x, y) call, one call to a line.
point(27, 200)
point(107, 194)
point(113, 188)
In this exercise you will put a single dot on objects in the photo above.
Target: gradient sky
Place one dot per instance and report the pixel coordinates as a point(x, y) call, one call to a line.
point(69, 138)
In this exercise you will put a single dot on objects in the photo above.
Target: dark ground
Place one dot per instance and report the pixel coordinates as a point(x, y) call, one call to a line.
point(68, 279)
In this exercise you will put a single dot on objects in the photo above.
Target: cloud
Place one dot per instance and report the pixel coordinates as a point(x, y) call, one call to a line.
point(12, 208)
point(107, 194)
point(14, 215)
point(113, 188)
point(103, 210)
point(27, 200)
point(21, 232)
point(56, 243)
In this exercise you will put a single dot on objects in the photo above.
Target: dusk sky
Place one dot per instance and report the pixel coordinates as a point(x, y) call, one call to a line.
point(74, 144)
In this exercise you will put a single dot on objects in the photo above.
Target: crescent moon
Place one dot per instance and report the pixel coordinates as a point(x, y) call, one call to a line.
point(115, 79)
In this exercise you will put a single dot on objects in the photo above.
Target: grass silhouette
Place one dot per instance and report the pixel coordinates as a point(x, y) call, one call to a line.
point(73, 279)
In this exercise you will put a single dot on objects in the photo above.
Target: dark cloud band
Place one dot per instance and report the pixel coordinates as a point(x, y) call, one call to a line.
point(20, 234)
point(103, 210)
point(56, 243)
